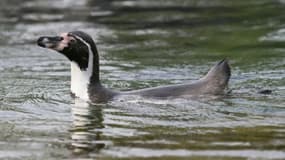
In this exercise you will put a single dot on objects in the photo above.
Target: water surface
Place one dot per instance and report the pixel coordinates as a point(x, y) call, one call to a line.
point(144, 43)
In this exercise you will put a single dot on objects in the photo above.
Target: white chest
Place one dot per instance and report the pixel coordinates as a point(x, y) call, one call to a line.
point(79, 81)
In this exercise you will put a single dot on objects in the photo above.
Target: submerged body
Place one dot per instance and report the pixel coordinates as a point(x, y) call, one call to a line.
point(81, 50)
point(213, 83)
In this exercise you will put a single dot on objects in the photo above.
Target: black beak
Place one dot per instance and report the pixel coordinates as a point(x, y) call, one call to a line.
point(49, 42)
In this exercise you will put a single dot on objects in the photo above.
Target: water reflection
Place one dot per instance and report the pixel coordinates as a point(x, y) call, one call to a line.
point(85, 132)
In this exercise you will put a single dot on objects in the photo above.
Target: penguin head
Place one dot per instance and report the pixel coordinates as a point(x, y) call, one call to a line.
point(76, 46)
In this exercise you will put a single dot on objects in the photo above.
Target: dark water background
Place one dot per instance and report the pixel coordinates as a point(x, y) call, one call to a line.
point(144, 43)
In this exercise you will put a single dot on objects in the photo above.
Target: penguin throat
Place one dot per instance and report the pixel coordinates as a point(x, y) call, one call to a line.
point(81, 78)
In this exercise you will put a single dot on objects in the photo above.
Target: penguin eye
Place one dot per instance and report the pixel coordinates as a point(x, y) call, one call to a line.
point(72, 41)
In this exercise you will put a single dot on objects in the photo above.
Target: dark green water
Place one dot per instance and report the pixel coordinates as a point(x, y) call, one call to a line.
point(144, 43)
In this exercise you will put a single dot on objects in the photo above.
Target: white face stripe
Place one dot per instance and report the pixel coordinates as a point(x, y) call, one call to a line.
point(81, 79)
point(90, 60)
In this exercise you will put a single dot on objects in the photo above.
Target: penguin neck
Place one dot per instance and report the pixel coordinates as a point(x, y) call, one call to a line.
point(82, 79)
